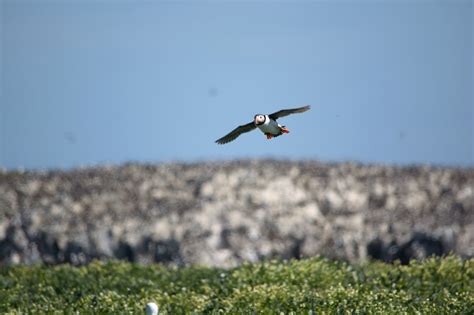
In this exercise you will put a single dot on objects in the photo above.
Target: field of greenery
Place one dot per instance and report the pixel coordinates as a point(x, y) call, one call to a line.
point(309, 286)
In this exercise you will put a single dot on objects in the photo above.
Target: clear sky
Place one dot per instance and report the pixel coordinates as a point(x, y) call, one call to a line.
point(95, 82)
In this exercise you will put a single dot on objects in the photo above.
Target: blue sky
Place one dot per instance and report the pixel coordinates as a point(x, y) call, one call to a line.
point(95, 82)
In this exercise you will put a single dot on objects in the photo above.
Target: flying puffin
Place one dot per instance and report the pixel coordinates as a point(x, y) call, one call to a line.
point(266, 123)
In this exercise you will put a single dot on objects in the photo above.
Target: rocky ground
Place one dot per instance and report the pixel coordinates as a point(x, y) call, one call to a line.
point(224, 213)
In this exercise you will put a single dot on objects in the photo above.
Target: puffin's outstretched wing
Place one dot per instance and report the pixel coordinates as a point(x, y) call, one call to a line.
point(236, 132)
point(286, 112)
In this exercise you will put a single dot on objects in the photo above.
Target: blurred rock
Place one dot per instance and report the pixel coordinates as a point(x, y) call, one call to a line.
point(419, 246)
point(224, 213)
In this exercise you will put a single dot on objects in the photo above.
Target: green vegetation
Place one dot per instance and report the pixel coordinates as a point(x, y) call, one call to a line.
point(434, 286)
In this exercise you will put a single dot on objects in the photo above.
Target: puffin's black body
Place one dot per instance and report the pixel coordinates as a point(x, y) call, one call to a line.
point(266, 123)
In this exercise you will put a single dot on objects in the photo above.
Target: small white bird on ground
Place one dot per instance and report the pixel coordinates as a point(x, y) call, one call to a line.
point(266, 123)
point(151, 309)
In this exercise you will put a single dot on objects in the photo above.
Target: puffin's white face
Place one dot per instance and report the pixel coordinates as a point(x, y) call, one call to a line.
point(259, 119)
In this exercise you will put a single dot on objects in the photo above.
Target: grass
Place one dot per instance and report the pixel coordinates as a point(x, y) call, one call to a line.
point(310, 286)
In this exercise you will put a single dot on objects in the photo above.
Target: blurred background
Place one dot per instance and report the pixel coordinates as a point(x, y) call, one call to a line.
point(103, 82)
point(109, 111)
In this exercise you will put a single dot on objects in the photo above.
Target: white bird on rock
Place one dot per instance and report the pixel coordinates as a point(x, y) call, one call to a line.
point(266, 123)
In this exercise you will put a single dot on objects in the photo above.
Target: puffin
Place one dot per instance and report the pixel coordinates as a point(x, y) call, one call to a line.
point(266, 123)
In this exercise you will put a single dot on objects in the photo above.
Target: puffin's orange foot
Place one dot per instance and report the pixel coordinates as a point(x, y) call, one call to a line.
point(269, 136)
point(284, 130)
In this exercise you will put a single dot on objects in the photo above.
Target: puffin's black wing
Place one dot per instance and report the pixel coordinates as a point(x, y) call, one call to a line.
point(236, 132)
point(286, 112)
